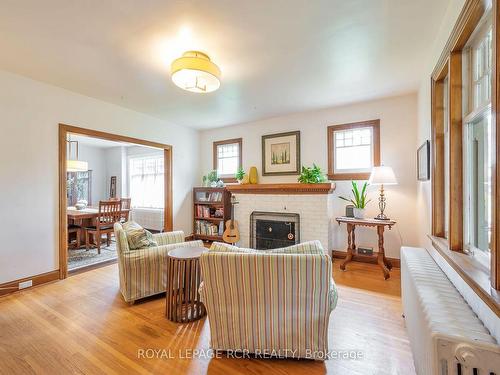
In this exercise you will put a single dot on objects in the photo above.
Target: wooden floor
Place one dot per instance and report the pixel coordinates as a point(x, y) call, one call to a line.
point(81, 325)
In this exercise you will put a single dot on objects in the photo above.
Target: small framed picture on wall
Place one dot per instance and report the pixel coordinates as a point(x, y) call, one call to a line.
point(281, 154)
point(423, 161)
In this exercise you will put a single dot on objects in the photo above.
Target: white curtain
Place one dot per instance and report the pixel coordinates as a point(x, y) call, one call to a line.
point(146, 181)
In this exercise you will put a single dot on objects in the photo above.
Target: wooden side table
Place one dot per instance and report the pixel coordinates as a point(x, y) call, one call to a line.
point(351, 223)
point(183, 280)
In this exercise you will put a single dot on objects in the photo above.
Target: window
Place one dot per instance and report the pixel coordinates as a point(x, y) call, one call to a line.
point(478, 141)
point(146, 180)
point(353, 149)
point(227, 158)
point(79, 187)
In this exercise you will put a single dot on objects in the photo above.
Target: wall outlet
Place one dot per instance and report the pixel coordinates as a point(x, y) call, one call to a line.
point(25, 284)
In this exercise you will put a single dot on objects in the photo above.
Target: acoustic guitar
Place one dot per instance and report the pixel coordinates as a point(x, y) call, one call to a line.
point(231, 234)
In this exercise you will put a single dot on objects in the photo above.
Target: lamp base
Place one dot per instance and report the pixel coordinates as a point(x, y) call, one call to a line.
point(381, 216)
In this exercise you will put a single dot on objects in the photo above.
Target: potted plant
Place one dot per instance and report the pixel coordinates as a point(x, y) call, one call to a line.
point(359, 200)
point(311, 175)
point(213, 178)
point(240, 175)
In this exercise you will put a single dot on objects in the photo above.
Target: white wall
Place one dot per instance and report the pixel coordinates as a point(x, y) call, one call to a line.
point(424, 189)
point(398, 119)
point(95, 156)
point(30, 112)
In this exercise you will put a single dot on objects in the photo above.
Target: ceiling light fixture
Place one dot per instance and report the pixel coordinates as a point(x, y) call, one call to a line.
point(75, 165)
point(195, 72)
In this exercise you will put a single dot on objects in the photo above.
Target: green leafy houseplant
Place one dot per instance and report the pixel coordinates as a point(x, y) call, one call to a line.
point(359, 198)
point(240, 174)
point(311, 175)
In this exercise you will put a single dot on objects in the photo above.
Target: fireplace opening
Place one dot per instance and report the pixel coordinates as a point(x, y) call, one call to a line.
point(271, 230)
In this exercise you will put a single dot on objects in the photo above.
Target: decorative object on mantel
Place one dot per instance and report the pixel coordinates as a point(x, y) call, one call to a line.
point(253, 177)
point(423, 162)
point(359, 200)
point(281, 154)
point(240, 175)
point(312, 175)
point(382, 176)
point(288, 189)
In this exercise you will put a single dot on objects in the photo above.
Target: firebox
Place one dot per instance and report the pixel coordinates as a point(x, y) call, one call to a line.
point(270, 230)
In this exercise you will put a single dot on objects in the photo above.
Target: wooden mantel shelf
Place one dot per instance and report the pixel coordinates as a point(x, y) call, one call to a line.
point(293, 188)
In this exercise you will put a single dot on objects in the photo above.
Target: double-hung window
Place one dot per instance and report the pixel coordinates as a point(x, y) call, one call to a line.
point(227, 158)
point(146, 181)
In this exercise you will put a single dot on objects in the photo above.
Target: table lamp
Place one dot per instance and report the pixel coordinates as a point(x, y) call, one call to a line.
point(382, 176)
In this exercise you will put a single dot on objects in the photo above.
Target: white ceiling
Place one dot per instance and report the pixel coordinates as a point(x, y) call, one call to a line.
point(276, 56)
point(98, 142)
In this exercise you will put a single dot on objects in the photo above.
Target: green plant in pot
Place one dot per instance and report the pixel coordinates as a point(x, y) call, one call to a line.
point(240, 174)
point(358, 200)
point(311, 175)
point(213, 178)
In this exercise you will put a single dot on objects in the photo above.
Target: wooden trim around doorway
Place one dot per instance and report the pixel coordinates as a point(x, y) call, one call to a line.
point(64, 130)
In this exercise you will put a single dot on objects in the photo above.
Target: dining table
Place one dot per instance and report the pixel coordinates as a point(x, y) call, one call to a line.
point(85, 217)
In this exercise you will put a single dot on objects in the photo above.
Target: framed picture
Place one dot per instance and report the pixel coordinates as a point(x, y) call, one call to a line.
point(423, 162)
point(281, 154)
point(112, 187)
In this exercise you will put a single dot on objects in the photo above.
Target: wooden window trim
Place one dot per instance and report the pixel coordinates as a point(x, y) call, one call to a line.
point(375, 125)
point(239, 141)
point(470, 269)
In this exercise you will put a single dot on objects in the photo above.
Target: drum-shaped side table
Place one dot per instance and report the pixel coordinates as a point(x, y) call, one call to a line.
point(183, 280)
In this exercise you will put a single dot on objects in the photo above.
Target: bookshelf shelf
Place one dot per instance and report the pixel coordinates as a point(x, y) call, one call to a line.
point(206, 202)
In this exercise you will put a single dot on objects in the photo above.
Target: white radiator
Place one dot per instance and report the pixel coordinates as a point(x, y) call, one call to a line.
point(446, 336)
point(149, 218)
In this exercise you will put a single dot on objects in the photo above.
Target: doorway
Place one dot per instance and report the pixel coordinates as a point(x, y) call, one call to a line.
point(110, 166)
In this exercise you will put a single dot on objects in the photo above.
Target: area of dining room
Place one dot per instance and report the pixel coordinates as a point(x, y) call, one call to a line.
point(108, 182)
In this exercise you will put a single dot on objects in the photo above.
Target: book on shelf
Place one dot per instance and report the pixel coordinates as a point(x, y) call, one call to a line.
point(206, 228)
point(209, 212)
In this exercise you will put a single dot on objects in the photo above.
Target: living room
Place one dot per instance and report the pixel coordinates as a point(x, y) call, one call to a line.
point(265, 118)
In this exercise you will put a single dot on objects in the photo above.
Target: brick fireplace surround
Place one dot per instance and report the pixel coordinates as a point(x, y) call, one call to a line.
point(313, 202)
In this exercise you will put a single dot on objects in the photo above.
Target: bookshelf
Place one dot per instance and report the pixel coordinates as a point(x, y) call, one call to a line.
point(211, 209)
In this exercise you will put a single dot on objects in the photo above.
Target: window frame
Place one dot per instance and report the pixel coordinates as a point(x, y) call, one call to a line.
point(375, 125)
point(485, 282)
point(239, 141)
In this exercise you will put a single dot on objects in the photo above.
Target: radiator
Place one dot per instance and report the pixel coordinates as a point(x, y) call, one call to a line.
point(446, 336)
point(149, 218)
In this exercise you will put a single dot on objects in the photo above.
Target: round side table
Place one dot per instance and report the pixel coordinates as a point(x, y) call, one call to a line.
point(183, 280)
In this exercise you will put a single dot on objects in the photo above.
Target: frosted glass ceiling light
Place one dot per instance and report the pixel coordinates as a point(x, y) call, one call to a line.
point(195, 72)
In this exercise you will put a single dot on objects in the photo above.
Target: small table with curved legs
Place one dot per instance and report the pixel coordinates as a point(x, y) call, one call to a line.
point(351, 223)
point(183, 280)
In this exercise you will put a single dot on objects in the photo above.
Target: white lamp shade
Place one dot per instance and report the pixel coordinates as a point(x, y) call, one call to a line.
point(382, 176)
point(77, 166)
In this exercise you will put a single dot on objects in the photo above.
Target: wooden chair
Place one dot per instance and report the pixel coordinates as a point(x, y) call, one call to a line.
point(109, 214)
point(74, 229)
point(125, 207)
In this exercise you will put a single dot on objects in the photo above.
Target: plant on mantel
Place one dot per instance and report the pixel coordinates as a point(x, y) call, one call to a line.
point(312, 175)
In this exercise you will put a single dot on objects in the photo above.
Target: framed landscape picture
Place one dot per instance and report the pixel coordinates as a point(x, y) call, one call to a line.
point(281, 154)
point(423, 162)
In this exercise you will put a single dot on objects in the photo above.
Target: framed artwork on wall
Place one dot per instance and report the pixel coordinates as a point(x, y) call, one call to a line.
point(112, 187)
point(423, 162)
point(281, 154)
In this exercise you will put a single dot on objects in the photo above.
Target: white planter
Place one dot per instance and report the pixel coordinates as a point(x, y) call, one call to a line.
point(359, 213)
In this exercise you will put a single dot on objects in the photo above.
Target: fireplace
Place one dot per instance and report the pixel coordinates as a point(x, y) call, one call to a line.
point(270, 230)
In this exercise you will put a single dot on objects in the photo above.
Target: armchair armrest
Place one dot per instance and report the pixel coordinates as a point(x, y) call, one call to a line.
point(167, 238)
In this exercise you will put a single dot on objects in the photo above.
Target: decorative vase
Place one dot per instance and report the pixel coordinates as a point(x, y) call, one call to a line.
point(253, 177)
point(213, 184)
point(359, 213)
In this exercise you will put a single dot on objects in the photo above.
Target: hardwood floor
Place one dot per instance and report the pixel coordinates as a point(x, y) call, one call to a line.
point(81, 325)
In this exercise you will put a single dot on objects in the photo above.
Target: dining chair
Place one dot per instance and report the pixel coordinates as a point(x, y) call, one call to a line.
point(76, 230)
point(109, 214)
point(125, 207)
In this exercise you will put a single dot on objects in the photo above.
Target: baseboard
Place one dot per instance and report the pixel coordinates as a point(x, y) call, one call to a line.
point(337, 254)
point(13, 286)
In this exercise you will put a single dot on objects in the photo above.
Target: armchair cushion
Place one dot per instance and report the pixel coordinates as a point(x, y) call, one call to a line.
point(137, 236)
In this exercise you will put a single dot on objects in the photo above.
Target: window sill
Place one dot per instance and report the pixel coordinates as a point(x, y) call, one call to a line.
point(349, 176)
point(472, 271)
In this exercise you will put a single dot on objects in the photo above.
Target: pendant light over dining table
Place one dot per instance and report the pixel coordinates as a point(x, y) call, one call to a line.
point(195, 72)
point(75, 165)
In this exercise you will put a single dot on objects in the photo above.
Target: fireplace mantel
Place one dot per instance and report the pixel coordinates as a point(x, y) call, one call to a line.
point(288, 189)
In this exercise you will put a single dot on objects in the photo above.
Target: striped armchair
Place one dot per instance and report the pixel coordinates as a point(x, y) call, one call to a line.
point(263, 302)
point(142, 270)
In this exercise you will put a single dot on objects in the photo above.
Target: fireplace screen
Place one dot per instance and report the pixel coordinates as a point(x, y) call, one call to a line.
point(270, 230)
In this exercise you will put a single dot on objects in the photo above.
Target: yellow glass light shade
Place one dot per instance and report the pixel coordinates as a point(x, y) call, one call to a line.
point(195, 72)
point(77, 166)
